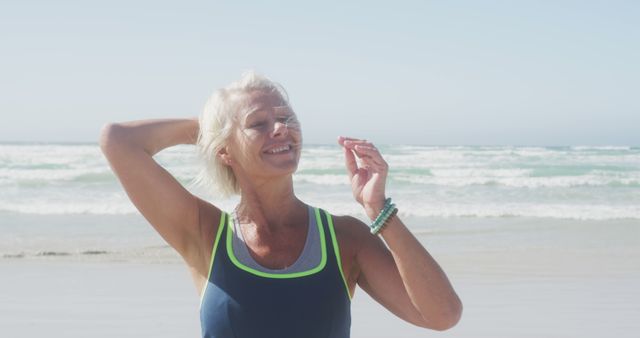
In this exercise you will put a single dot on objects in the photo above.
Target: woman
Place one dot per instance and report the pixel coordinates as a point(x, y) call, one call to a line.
point(276, 267)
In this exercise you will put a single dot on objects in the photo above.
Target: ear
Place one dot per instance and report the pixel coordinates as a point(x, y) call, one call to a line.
point(224, 155)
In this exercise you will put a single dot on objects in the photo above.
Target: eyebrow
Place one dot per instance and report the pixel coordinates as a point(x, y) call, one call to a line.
point(258, 109)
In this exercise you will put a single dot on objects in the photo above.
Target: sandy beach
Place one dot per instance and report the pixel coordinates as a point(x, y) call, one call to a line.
point(541, 290)
point(537, 241)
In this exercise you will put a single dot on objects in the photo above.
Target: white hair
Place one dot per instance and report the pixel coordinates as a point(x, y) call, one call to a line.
point(216, 125)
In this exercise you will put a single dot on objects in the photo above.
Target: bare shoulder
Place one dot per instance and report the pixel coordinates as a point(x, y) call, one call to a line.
point(350, 229)
point(352, 235)
point(355, 234)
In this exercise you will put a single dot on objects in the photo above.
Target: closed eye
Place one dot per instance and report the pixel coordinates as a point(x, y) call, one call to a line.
point(258, 124)
point(288, 120)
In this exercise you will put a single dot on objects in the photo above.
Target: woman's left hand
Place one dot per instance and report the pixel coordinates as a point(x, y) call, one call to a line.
point(368, 177)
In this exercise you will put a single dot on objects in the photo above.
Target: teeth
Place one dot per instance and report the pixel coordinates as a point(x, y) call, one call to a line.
point(279, 149)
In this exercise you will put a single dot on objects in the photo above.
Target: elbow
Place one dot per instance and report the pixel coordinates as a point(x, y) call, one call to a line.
point(448, 318)
point(110, 135)
point(453, 316)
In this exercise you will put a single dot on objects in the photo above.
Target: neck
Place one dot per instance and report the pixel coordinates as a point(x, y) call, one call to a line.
point(270, 204)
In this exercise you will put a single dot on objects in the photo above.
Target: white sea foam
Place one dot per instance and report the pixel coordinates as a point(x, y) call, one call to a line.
point(559, 211)
point(582, 148)
point(409, 208)
point(582, 182)
point(66, 208)
point(50, 174)
point(479, 172)
point(323, 179)
point(522, 181)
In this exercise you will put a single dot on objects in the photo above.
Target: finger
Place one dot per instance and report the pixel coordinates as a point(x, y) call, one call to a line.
point(351, 142)
point(362, 176)
point(365, 146)
point(371, 152)
point(361, 148)
point(343, 139)
point(350, 162)
point(346, 138)
point(370, 163)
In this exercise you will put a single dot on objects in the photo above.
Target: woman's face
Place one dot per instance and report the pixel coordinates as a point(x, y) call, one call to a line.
point(266, 140)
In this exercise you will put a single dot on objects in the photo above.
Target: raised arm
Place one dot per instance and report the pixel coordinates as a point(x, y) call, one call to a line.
point(403, 277)
point(172, 210)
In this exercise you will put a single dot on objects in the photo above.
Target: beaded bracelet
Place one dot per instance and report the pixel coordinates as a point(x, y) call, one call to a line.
point(388, 211)
point(377, 230)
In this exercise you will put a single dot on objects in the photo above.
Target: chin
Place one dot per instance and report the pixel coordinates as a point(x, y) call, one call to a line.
point(285, 168)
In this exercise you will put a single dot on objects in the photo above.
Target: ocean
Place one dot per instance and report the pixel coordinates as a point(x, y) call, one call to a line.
point(61, 201)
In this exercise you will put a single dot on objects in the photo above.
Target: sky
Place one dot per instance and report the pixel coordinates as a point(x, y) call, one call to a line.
point(394, 72)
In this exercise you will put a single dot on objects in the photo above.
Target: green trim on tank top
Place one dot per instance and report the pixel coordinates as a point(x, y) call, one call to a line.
point(223, 216)
point(323, 260)
point(336, 249)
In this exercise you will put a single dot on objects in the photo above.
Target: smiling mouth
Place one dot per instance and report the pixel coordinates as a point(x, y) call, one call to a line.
point(279, 150)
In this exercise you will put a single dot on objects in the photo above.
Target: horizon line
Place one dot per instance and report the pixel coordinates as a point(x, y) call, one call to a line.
point(5, 142)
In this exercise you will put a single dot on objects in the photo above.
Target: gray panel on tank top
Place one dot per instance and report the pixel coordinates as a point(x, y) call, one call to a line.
point(309, 258)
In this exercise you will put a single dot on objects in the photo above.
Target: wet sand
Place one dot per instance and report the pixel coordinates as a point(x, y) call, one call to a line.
point(79, 299)
point(527, 292)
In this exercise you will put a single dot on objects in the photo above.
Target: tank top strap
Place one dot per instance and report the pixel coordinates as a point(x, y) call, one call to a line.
point(222, 226)
point(333, 248)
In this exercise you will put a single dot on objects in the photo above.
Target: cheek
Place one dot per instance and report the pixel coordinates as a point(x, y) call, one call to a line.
point(297, 134)
point(236, 146)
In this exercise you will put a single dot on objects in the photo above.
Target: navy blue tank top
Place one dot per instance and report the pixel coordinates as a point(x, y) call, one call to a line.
point(241, 302)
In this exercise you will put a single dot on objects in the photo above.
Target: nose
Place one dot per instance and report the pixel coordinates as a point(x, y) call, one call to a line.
point(280, 129)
